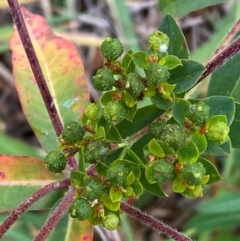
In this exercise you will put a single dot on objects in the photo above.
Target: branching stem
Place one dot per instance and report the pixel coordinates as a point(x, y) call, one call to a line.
point(56, 216)
point(153, 223)
point(15, 214)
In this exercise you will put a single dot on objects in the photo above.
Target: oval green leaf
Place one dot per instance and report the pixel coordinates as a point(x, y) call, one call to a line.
point(188, 152)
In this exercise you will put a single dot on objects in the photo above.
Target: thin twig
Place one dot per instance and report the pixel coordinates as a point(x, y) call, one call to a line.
point(56, 216)
point(220, 59)
point(37, 71)
point(153, 223)
point(229, 37)
point(15, 214)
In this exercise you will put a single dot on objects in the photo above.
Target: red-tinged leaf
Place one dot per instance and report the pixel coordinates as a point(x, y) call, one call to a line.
point(20, 177)
point(63, 70)
point(70, 229)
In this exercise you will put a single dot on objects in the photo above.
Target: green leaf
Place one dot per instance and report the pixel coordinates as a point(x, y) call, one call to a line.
point(64, 73)
point(155, 148)
point(20, 177)
point(71, 229)
point(100, 133)
point(149, 173)
point(221, 105)
point(200, 141)
point(218, 150)
point(182, 7)
point(188, 152)
point(211, 170)
point(107, 202)
point(131, 156)
point(142, 118)
point(171, 61)
point(179, 185)
point(155, 188)
point(225, 80)
point(128, 62)
point(179, 109)
point(161, 102)
point(185, 76)
point(141, 59)
point(108, 96)
point(128, 99)
point(129, 112)
point(113, 134)
point(115, 194)
point(101, 168)
point(77, 178)
point(177, 44)
point(137, 188)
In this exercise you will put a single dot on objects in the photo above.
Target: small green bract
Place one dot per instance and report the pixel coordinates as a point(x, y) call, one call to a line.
point(80, 209)
point(103, 80)
point(72, 133)
point(55, 161)
point(111, 48)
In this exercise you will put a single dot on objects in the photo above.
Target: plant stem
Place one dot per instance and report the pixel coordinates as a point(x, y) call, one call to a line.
point(56, 216)
point(153, 223)
point(32, 58)
point(38, 74)
point(221, 58)
point(15, 214)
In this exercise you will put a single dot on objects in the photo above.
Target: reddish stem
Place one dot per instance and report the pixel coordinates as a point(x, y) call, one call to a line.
point(153, 223)
point(37, 71)
point(56, 216)
point(15, 214)
point(221, 58)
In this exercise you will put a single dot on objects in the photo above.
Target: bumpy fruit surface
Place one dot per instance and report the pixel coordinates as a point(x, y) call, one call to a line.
point(173, 135)
point(110, 221)
point(117, 175)
point(218, 133)
point(103, 80)
point(95, 151)
point(162, 171)
point(111, 48)
point(158, 41)
point(94, 112)
point(72, 133)
point(156, 74)
point(193, 173)
point(136, 84)
point(80, 209)
point(198, 113)
point(113, 112)
point(92, 188)
point(156, 128)
point(55, 161)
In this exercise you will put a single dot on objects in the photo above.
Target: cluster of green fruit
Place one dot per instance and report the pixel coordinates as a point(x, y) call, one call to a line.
point(185, 131)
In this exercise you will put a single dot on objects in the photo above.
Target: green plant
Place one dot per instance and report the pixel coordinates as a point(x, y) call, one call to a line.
point(114, 149)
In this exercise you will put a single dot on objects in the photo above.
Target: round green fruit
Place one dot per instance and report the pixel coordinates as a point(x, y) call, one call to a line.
point(110, 221)
point(72, 133)
point(117, 175)
point(113, 112)
point(156, 74)
point(136, 84)
point(92, 188)
point(80, 209)
point(103, 80)
point(218, 132)
point(55, 161)
point(94, 112)
point(158, 42)
point(95, 151)
point(111, 48)
point(193, 173)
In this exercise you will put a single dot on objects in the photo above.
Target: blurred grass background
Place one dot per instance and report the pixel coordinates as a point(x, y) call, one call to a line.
point(216, 216)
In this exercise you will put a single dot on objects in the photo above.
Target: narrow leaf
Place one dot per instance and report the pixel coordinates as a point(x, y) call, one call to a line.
point(63, 70)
